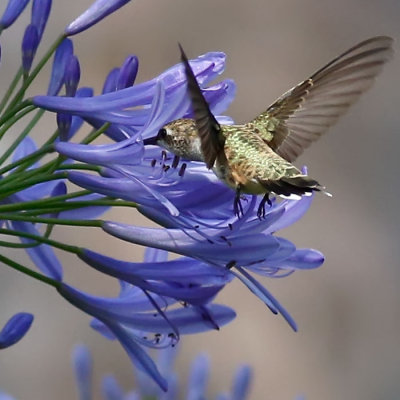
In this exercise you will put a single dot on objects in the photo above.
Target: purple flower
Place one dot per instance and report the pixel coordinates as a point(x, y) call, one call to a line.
point(135, 319)
point(95, 13)
point(15, 329)
point(200, 223)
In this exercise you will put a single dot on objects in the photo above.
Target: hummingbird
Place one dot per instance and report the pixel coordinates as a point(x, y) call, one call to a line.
point(256, 157)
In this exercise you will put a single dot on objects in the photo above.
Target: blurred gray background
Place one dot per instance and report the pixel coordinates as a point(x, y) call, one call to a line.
point(348, 311)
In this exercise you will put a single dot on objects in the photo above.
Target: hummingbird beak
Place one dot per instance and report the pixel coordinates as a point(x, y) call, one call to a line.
point(152, 140)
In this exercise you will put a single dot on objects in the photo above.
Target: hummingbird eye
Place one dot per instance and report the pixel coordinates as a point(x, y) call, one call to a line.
point(162, 133)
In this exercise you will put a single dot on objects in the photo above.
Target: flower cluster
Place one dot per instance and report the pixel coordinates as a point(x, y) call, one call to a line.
point(160, 298)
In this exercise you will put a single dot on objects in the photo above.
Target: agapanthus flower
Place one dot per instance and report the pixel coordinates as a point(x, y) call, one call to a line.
point(200, 222)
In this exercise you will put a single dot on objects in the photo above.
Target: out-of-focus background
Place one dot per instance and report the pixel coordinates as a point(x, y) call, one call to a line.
point(348, 311)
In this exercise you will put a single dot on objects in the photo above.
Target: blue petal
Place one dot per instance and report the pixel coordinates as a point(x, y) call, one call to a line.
point(243, 250)
point(30, 44)
point(42, 255)
point(12, 12)
point(95, 13)
point(87, 213)
point(127, 72)
point(83, 367)
point(62, 55)
point(264, 295)
point(185, 270)
point(72, 76)
point(303, 259)
point(137, 355)
point(40, 15)
point(241, 383)
point(111, 389)
point(205, 67)
point(294, 210)
point(15, 329)
point(5, 396)
point(198, 379)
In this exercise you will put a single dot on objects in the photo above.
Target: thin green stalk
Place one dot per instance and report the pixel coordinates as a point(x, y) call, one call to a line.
point(13, 118)
point(72, 205)
point(84, 167)
point(27, 160)
point(95, 134)
point(22, 136)
point(11, 88)
point(62, 246)
point(33, 274)
point(95, 223)
point(21, 176)
point(12, 187)
point(42, 202)
point(18, 245)
point(34, 73)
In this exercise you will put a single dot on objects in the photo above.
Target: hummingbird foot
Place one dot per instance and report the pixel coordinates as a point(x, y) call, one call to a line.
point(237, 204)
point(261, 207)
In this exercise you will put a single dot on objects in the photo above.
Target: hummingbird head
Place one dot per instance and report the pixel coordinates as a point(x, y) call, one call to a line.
point(179, 137)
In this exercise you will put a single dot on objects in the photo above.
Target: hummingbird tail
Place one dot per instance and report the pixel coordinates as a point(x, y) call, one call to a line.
point(293, 186)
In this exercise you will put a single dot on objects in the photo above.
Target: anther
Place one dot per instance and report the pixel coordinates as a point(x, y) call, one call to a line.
point(182, 170)
point(175, 161)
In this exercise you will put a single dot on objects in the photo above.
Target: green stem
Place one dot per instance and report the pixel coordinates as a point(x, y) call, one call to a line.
point(22, 136)
point(11, 188)
point(27, 160)
point(84, 167)
point(11, 88)
point(35, 72)
point(62, 246)
point(95, 223)
point(95, 134)
point(33, 274)
point(12, 118)
point(18, 245)
point(42, 202)
point(60, 207)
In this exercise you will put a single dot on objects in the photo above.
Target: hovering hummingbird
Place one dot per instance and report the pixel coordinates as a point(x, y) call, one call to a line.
point(256, 157)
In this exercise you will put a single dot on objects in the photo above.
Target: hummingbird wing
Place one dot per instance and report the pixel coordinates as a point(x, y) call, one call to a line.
point(305, 112)
point(209, 130)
